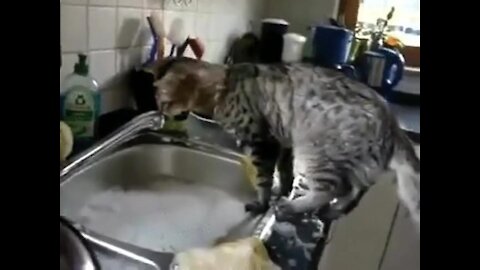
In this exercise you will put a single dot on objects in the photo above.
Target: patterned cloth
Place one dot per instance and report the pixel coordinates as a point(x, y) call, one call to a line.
point(295, 245)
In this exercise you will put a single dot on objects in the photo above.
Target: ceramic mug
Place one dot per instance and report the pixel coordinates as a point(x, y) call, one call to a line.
point(293, 47)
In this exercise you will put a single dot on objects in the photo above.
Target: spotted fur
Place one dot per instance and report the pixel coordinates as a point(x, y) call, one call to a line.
point(340, 132)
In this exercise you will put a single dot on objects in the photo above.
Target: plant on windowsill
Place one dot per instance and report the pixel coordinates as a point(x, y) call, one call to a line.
point(371, 39)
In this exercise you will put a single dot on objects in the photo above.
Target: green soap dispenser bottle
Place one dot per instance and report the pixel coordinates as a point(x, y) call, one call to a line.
point(80, 104)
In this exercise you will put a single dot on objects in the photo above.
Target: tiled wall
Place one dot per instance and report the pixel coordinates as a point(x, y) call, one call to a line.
point(302, 13)
point(115, 35)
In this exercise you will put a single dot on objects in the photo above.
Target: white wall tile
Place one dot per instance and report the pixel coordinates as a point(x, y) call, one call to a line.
point(115, 34)
point(187, 17)
point(103, 2)
point(74, 2)
point(102, 65)
point(73, 28)
point(171, 5)
point(219, 6)
point(155, 4)
point(205, 5)
point(101, 27)
point(215, 29)
point(129, 24)
point(130, 3)
point(230, 7)
point(221, 28)
point(202, 26)
point(257, 9)
point(129, 58)
point(215, 52)
point(189, 53)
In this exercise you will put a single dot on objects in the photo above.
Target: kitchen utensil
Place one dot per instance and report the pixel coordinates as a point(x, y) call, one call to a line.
point(158, 34)
point(159, 29)
point(197, 47)
point(195, 44)
point(75, 251)
point(182, 48)
point(374, 67)
point(154, 49)
point(271, 40)
point(382, 69)
point(358, 47)
point(293, 47)
point(177, 34)
point(331, 45)
point(172, 50)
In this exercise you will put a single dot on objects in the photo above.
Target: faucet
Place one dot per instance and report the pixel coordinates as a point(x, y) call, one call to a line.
point(153, 120)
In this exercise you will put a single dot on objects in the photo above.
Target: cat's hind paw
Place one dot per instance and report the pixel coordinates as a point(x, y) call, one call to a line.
point(284, 209)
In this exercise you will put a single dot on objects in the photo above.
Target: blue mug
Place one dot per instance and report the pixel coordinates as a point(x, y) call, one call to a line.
point(331, 45)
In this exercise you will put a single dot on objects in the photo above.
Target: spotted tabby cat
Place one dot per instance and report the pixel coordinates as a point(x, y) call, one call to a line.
point(341, 133)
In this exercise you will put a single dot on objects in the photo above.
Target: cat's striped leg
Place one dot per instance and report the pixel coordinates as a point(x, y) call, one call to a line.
point(313, 199)
point(315, 182)
point(285, 171)
point(264, 156)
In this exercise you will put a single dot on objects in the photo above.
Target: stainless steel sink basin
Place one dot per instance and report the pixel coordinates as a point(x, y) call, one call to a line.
point(141, 181)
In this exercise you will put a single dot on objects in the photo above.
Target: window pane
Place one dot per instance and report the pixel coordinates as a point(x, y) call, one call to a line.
point(405, 23)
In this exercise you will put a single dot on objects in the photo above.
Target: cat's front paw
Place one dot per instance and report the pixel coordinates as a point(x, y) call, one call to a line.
point(256, 207)
point(284, 209)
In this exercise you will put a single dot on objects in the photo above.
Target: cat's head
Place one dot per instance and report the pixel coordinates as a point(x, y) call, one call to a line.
point(184, 84)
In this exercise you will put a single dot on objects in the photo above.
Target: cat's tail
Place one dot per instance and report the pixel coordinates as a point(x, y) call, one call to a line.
point(406, 164)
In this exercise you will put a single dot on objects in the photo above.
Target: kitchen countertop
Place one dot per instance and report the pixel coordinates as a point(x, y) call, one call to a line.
point(409, 119)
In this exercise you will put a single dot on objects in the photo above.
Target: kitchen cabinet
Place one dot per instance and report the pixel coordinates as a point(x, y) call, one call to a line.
point(378, 232)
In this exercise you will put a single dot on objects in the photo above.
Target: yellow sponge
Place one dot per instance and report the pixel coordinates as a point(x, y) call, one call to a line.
point(174, 125)
point(243, 254)
point(66, 141)
point(250, 170)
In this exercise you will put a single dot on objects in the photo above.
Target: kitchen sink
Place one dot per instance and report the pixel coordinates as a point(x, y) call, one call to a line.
point(156, 193)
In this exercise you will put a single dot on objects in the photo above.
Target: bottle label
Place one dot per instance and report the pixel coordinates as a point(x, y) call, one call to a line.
point(79, 111)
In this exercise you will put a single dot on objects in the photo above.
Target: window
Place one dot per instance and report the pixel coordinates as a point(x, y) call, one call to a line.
point(405, 23)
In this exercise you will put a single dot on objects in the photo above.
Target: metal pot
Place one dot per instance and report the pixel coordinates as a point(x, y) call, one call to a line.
point(331, 45)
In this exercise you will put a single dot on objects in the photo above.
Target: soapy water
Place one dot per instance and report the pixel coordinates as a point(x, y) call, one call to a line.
point(169, 216)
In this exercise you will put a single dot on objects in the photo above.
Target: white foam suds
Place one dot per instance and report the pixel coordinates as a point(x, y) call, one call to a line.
point(170, 216)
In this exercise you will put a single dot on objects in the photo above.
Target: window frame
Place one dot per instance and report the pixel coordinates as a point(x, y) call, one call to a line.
point(348, 9)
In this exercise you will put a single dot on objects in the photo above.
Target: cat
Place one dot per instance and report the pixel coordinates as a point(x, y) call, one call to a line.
point(340, 132)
